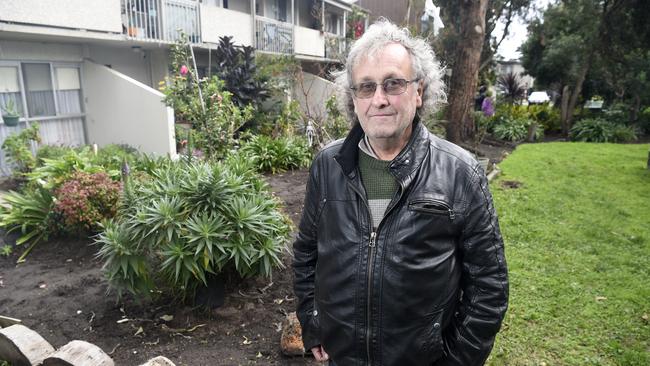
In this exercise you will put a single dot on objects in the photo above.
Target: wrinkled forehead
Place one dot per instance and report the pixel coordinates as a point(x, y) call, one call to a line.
point(384, 60)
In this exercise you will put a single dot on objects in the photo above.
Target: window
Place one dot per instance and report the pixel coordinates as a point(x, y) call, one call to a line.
point(49, 90)
point(10, 89)
point(68, 90)
point(38, 90)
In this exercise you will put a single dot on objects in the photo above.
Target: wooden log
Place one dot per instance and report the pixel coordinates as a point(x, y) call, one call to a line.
point(159, 361)
point(291, 340)
point(21, 346)
point(79, 353)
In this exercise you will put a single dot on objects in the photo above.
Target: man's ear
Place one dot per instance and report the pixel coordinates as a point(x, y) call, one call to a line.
point(420, 92)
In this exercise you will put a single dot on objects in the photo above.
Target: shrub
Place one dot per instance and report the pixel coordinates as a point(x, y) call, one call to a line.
point(53, 172)
point(592, 130)
point(336, 126)
point(17, 150)
point(274, 155)
point(192, 219)
point(621, 133)
point(546, 116)
point(29, 212)
point(512, 129)
point(644, 121)
point(84, 200)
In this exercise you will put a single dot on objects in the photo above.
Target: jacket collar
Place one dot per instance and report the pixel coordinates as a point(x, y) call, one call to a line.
point(405, 164)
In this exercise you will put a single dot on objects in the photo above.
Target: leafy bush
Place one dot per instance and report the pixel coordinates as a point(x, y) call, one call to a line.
point(617, 114)
point(592, 130)
point(644, 121)
point(276, 154)
point(512, 129)
point(336, 126)
point(545, 116)
point(190, 220)
point(511, 87)
point(29, 212)
point(84, 200)
point(53, 172)
point(17, 150)
point(622, 133)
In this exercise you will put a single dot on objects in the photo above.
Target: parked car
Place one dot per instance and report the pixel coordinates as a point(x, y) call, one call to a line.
point(538, 97)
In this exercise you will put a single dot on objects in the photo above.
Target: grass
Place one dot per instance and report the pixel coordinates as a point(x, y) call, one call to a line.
point(577, 236)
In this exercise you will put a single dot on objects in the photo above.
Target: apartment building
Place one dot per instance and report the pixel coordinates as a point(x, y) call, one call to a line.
point(88, 71)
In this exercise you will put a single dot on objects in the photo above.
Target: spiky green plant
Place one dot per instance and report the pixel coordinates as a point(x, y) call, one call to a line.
point(190, 220)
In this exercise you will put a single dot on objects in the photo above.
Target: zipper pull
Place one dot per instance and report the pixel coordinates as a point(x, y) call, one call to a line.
point(372, 239)
point(452, 215)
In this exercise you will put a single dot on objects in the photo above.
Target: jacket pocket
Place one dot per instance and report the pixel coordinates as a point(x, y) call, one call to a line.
point(433, 344)
point(432, 207)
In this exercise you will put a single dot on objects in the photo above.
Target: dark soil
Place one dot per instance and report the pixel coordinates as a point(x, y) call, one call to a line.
point(60, 293)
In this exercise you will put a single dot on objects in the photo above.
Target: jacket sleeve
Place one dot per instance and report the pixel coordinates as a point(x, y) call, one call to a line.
point(304, 263)
point(484, 281)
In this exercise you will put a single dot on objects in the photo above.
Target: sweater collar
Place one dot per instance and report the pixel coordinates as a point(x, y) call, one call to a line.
point(404, 164)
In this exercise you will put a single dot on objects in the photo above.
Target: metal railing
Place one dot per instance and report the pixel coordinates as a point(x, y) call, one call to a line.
point(161, 20)
point(335, 46)
point(273, 36)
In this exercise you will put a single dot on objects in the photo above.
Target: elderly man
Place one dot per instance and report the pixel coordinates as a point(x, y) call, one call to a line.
point(399, 259)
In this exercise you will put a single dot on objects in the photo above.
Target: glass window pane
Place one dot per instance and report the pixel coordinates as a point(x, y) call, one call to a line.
point(38, 85)
point(10, 90)
point(68, 90)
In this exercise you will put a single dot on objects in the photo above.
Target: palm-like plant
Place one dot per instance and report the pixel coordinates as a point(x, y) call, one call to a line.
point(511, 87)
point(191, 220)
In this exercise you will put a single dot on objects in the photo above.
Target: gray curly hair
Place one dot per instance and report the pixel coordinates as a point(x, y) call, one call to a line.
point(424, 63)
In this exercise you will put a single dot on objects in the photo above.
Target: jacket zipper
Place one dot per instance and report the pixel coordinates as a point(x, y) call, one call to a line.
point(445, 207)
point(371, 261)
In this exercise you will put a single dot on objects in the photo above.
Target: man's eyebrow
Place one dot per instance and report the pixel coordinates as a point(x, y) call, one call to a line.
point(386, 77)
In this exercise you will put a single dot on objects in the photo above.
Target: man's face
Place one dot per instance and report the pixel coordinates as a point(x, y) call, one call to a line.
point(384, 116)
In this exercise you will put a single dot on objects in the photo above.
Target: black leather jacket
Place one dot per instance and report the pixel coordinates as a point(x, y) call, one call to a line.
point(429, 286)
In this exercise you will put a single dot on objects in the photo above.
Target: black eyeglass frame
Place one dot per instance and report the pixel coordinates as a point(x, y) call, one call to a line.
point(383, 87)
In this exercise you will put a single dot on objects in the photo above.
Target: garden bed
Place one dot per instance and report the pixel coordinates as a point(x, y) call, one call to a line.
point(60, 293)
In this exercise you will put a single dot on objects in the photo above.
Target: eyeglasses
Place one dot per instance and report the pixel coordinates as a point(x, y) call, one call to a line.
point(390, 87)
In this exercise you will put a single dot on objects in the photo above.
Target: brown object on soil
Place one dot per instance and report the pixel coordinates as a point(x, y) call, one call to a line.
point(79, 353)
point(511, 184)
point(159, 361)
point(291, 341)
point(20, 346)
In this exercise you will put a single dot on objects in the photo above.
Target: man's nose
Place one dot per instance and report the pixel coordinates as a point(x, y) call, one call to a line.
point(379, 99)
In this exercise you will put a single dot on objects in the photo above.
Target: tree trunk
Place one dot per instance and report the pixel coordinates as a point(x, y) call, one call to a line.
point(577, 89)
point(564, 110)
point(460, 126)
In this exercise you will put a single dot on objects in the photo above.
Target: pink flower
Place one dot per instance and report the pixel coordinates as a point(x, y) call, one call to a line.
point(184, 70)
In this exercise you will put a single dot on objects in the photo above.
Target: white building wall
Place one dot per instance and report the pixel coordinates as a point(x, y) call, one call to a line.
point(97, 15)
point(40, 51)
point(121, 110)
point(312, 92)
point(309, 42)
point(125, 60)
point(217, 22)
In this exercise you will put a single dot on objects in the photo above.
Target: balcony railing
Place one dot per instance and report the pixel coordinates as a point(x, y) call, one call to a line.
point(161, 20)
point(335, 46)
point(273, 36)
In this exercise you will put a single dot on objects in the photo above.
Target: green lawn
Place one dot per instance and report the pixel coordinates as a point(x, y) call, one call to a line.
point(577, 237)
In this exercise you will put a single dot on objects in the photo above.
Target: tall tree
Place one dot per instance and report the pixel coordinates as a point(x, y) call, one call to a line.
point(464, 76)
point(562, 48)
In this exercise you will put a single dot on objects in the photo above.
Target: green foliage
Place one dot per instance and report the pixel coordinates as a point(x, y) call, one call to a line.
point(6, 251)
point(578, 248)
point(512, 129)
point(191, 219)
point(336, 126)
point(600, 130)
point(53, 172)
point(84, 200)
point(545, 116)
point(280, 72)
point(644, 121)
point(278, 154)
point(17, 150)
point(29, 212)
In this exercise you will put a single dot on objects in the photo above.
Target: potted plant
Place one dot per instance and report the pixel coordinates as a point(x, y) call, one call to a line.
point(10, 115)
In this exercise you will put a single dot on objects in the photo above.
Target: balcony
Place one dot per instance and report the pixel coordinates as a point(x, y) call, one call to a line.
point(161, 20)
point(273, 35)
